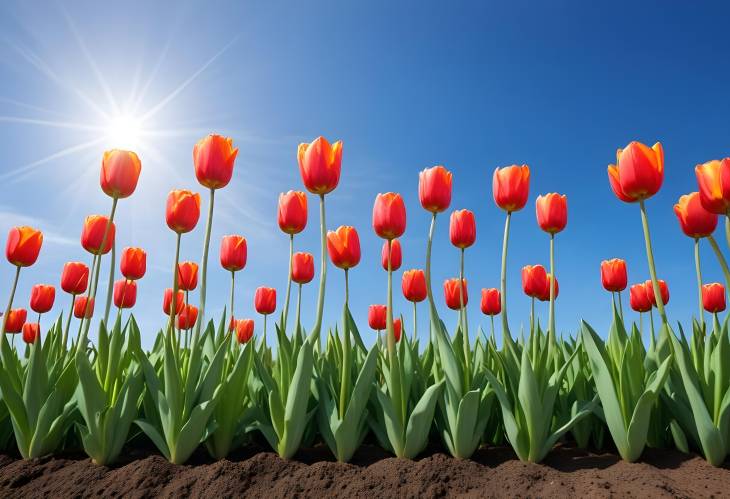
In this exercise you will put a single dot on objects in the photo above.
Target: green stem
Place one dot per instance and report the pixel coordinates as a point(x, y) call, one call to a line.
point(110, 284)
point(393, 368)
point(415, 322)
point(552, 342)
point(233, 290)
point(204, 270)
point(727, 228)
point(698, 271)
point(652, 267)
point(173, 300)
point(285, 313)
point(12, 297)
point(345, 382)
point(721, 260)
point(464, 326)
point(68, 321)
point(299, 308)
point(620, 306)
point(323, 270)
point(506, 337)
point(429, 244)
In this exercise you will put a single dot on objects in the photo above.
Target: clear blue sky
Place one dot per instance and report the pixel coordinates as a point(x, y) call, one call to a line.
point(405, 85)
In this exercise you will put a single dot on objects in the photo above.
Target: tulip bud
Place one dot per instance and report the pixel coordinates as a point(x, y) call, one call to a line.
point(663, 289)
point(413, 285)
point(183, 210)
point(343, 246)
point(42, 297)
point(552, 212)
point(84, 307)
point(214, 157)
point(377, 317)
point(434, 189)
point(244, 330)
point(233, 253)
point(397, 328)
point(92, 235)
point(119, 173)
point(491, 304)
point(462, 228)
point(396, 255)
point(16, 319)
point(133, 263)
point(713, 179)
point(640, 301)
point(534, 280)
point(638, 173)
point(23, 246)
point(187, 317)
point(511, 187)
point(31, 332)
point(320, 164)
point(187, 276)
point(265, 300)
point(302, 270)
point(694, 219)
point(613, 275)
point(125, 293)
point(389, 215)
point(167, 301)
point(292, 212)
point(74, 278)
point(713, 297)
point(452, 294)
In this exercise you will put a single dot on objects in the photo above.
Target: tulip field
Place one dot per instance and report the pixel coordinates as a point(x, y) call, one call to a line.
point(209, 384)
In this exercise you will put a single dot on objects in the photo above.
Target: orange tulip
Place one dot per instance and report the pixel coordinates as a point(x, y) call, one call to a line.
point(343, 246)
point(16, 319)
point(414, 285)
point(534, 280)
point(377, 316)
point(713, 178)
point(292, 212)
point(694, 219)
point(452, 295)
point(491, 303)
point(396, 255)
point(320, 164)
point(434, 188)
point(397, 328)
point(552, 212)
point(462, 228)
point(265, 300)
point(302, 270)
point(167, 301)
point(389, 215)
point(713, 297)
point(613, 275)
point(640, 301)
point(638, 173)
point(663, 289)
point(233, 253)
point(214, 157)
point(125, 293)
point(187, 276)
point(183, 210)
point(133, 263)
point(545, 292)
point(119, 173)
point(74, 278)
point(92, 235)
point(23, 246)
point(42, 297)
point(187, 318)
point(244, 330)
point(31, 332)
point(511, 187)
point(81, 310)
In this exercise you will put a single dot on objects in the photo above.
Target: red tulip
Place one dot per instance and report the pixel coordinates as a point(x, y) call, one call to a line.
point(638, 173)
point(343, 246)
point(119, 173)
point(694, 219)
point(434, 188)
point(302, 270)
point(187, 318)
point(244, 330)
point(74, 278)
point(31, 332)
point(81, 310)
point(534, 280)
point(613, 274)
point(187, 276)
point(183, 210)
point(452, 295)
point(92, 235)
point(663, 289)
point(23, 246)
point(552, 212)
point(491, 304)
point(414, 285)
point(133, 263)
point(167, 301)
point(396, 255)
point(214, 157)
point(462, 228)
point(389, 215)
point(125, 293)
point(233, 253)
point(545, 293)
point(397, 327)
point(265, 300)
point(292, 212)
point(713, 297)
point(320, 164)
point(713, 178)
point(42, 297)
point(511, 187)
point(377, 317)
point(640, 301)
point(16, 319)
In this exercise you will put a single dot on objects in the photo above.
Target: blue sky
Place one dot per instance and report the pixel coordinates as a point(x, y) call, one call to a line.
point(406, 85)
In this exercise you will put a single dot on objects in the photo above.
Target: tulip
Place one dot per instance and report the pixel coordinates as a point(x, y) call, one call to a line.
point(302, 268)
point(183, 210)
point(545, 293)
point(23, 246)
point(552, 212)
point(42, 297)
point(265, 303)
point(74, 280)
point(639, 298)
point(713, 179)
point(434, 189)
point(292, 212)
point(396, 255)
point(187, 318)
point(462, 229)
point(187, 276)
point(319, 165)
point(613, 275)
point(343, 246)
point(663, 288)
point(84, 307)
point(638, 173)
point(31, 332)
point(15, 320)
point(125, 293)
point(214, 157)
point(389, 215)
point(534, 280)
point(454, 293)
point(377, 317)
point(414, 285)
point(119, 173)
point(167, 301)
point(233, 253)
point(244, 330)
point(490, 301)
point(397, 327)
point(694, 219)
point(95, 228)
point(133, 263)
point(713, 297)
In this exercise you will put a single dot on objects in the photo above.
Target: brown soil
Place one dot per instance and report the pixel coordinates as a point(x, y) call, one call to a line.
point(493, 472)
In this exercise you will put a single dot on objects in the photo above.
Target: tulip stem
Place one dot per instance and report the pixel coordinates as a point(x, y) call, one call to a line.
point(233, 290)
point(204, 271)
point(110, 285)
point(393, 368)
point(652, 267)
point(429, 291)
point(415, 322)
point(264, 349)
point(506, 337)
point(345, 382)
point(10, 300)
point(299, 309)
point(464, 326)
point(285, 312)
point(323, 270)
point(620, 305)
point(698, 271)
point(721, 260)
point(727, 228)
point(68, 321)
point(552, 343)
point(173, 300)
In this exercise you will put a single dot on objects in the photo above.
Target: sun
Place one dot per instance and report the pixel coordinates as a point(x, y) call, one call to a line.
point(124, 132)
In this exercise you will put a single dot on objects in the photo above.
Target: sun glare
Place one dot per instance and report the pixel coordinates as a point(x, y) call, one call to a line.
point(124, 132)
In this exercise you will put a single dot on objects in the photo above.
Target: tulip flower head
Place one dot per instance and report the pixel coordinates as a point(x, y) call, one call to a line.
point(534, 280)
point(511, 187)
point(552, 212)
point(16, 319)
point(244, 330)
point(694, 219)
point(413, 285)
point(434, 189)
point(84, 307)
point(545, 293)
point(302, 270)
point(167, 301)
point(23, 246)
point(187, 276)
point(663, 289)
point(31, 332)
point(377, 315)
point(183, 210)
point(125, 293)
point(713, 297)
point(452, 294)
point(491, 303)
point(265, 300)
point(397, 329)
point(462, 228)
point(320, 164)
point(92, 235)
point(214, 157)
point(187, 317)
point(713, 179)
point(389, 215)
point(42, 297)
point(74, 278)
point(638, 173)
point(292, 212)
point(613, 275)
point(343, 246)
point(119, 173)
point(133, 263)
point(233, 253)
point(396, 255)
point(640, 301)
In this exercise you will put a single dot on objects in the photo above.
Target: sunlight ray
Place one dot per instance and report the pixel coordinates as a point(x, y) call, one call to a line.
point(50, 124)
point(19, 173)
